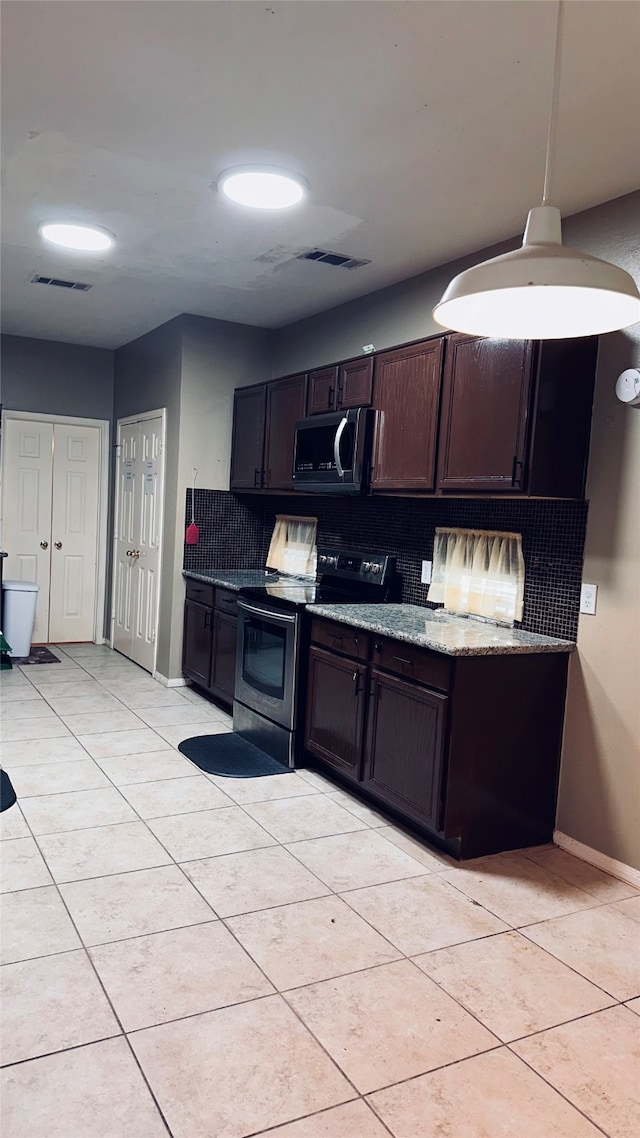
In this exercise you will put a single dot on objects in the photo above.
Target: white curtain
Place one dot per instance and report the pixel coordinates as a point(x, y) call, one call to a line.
point(293, 546)
point(480, 572)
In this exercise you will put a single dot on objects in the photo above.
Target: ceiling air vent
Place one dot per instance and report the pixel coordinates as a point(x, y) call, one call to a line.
point(77, 286)
point(326, 257)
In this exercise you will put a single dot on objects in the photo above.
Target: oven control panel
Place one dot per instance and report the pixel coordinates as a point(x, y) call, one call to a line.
point(373, 567)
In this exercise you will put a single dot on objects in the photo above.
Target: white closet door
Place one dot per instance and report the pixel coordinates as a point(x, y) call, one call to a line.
point(146, 557)
point(137, 538)
point(74, 533)
point(125, 582)
point(26, 495)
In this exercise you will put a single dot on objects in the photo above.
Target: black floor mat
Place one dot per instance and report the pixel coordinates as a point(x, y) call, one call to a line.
point(231, 755)
point(7, 793)
point(38, 654)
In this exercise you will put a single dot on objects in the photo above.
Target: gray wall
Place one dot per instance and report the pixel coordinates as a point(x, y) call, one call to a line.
point(45, 377)
point(48, 378)
point(600, 777)
point(190, 366)
point(148, 377)
point(402, 312)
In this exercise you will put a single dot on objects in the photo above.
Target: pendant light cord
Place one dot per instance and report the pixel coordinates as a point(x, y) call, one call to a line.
point(553, 113)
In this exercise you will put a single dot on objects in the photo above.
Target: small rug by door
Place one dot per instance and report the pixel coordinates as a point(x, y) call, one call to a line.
point(7, 793)
point(231, 755)
point(39, 654)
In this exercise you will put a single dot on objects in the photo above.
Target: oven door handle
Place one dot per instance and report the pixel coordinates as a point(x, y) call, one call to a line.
point(342, 425)
point(278, 617)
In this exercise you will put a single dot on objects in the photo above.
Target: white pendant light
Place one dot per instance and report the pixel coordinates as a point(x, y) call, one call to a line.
point(262, 187)
point(541, 291)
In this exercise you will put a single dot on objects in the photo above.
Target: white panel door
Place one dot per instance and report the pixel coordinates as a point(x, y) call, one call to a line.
point(125, 581)
point(137, 538)
point(26, 495)
point(146, 554)
point(74, 532)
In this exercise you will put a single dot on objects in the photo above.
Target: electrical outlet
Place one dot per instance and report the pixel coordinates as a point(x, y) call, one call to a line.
point(588, 596)
point(425, 576)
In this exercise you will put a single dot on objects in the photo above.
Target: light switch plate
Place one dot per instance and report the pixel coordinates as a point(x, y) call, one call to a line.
point(588, 597)
point(425, 576)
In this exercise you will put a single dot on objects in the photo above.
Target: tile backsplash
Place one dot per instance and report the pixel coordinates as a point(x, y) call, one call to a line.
point(235, 530)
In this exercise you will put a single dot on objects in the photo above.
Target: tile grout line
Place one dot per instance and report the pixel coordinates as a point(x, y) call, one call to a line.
point(333, 892)
point(103, 989)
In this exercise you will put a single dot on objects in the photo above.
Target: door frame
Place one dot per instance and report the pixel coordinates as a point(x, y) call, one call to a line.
point(104, 427)
point(139, 418)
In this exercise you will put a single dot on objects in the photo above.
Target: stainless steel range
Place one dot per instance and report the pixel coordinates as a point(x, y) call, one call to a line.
point(273, 641)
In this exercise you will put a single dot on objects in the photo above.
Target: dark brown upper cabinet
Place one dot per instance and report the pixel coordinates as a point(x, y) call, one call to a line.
point(323, 388)
point(286, 402)
point(516, 416)
point(484, 414)
point(406, 396)
point(341, 387)
point(247, 441)
point(355, 383)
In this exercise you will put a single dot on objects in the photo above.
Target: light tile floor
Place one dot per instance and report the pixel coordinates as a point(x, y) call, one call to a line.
point(215, 958)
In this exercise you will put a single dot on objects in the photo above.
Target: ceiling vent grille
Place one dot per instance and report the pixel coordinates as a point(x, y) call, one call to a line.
point(77, 286)
point(339, 260)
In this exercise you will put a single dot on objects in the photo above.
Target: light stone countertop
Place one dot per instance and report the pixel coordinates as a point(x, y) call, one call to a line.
point(235, 579)
point(440, 631)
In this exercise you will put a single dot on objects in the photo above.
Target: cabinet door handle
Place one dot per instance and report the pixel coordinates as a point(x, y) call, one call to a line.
point(256, 477)
point(356, 683)
point(330, 398)
point(207, 617)
point(516, 478)
point(403, 660)
point(377, 646)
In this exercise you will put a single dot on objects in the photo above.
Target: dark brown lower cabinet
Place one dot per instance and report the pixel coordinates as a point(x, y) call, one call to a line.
point(209, 642)
point(335, 709)
point(465, 749)
point(196, 643)
point(223, 667)
point(403, 754)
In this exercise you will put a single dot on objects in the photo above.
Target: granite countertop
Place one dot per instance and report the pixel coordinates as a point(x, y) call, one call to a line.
point(440, 631)
point(233, 578)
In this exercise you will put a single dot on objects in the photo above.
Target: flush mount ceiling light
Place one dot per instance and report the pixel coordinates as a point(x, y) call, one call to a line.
point(541, 291)
point(262, 187)
point(81, 238)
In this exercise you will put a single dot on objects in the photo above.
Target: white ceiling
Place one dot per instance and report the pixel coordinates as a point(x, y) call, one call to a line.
point(421, 127)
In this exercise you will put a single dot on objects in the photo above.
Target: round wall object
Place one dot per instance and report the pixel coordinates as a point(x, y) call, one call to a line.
point(628, 387)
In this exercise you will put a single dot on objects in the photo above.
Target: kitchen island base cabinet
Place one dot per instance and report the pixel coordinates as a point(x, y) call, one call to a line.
point(463, 749)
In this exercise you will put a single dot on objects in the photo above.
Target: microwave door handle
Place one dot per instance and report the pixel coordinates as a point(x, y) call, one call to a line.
point(336, 446)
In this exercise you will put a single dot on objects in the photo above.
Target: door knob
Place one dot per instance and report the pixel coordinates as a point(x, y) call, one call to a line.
point(135, 553)
point(44, 544)
point(58, 544)
point(129, 553)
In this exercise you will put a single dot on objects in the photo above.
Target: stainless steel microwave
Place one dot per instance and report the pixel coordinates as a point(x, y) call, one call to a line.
point(332, 453)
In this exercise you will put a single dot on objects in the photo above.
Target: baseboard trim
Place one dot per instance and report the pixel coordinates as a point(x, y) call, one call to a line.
point(178, 683)
point(601, 861)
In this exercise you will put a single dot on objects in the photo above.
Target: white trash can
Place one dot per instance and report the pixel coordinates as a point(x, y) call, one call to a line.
point(19, 613)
